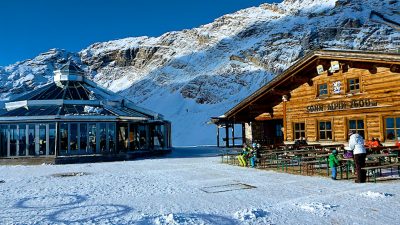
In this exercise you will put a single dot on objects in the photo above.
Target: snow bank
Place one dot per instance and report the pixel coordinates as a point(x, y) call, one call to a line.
point(169, 191)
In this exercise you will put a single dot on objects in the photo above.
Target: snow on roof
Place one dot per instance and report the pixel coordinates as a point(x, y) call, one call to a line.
point(75, 97)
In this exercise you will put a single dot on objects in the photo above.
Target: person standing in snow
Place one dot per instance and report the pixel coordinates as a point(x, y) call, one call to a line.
point(333, 163)
point(356, 144)
point(253, 155)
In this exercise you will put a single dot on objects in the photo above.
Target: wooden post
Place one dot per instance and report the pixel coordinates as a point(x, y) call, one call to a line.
point(284, 100)
point(56, 140)
point(226, 135)
point(233, 135)
point(217, 135)
point(243, 133)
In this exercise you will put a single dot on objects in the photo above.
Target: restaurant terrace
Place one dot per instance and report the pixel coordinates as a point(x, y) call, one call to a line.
point(318, 101)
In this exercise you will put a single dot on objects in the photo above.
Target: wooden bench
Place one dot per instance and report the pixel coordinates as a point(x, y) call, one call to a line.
point(378, 169)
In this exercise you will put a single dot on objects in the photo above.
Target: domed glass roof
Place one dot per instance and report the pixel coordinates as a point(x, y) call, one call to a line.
point(71, 94)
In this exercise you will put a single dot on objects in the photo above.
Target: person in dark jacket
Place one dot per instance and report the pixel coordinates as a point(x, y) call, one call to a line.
point(334, 163)
point(253, 155)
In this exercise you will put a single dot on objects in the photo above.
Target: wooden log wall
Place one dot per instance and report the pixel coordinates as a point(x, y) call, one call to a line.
point(383, 87)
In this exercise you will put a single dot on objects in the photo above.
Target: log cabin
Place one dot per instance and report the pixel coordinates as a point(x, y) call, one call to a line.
point(321, 98)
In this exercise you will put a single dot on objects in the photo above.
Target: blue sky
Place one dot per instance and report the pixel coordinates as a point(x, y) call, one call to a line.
point(29, 27)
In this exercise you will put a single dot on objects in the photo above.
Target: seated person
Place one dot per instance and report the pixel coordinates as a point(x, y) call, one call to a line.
point(373, 143)
point(369, 143)
point(378, 142)
point(303, 141)
point(300, 142)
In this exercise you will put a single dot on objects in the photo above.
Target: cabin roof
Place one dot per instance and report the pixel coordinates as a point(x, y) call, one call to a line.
point(270, 95)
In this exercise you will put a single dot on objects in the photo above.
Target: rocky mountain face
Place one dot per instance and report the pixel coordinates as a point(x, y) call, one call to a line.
point(194, 74)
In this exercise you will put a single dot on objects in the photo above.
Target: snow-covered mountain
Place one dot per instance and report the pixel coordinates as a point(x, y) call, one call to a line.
point(194, 74)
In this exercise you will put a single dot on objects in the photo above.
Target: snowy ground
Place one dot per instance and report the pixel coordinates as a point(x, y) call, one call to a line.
point(190, 186)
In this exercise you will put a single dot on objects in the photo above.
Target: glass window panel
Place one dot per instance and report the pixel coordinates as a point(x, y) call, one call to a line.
point(68, 95)
point(398, 134)
point(397, 122)
point(42, 139)
point(74, 93)
point(159, 138)
point(142, 130)
point(123, 137)
point(63, 138)
point(103, 137)
point(357, 126)
point(323, 89)
point(278, 130)
point(322, 135)
point(22, 139)
point(13, 140)
point(92, 137)
point(390, 134)
point(328, 126)
point(352, 124)
point(111, 136)
point(31, 139)
point(299, 130)
point(52, 138)
point(389, 122)
point(133, 137)
point(83, 137)
point(360, 124)
point(73, 138)
point(329, 134)
point(82, 93)
point(3, 140)
point(325, 131)
point(322, 125)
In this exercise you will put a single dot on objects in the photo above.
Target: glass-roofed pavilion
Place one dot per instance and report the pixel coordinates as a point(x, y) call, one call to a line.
point(75, 117)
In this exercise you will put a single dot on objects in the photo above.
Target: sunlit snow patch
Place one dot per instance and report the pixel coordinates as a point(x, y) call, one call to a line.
point(371, 194)
point(251, 215)
point(316, 208)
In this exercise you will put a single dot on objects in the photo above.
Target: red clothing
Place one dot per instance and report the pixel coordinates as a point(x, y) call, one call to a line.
point(375, 144)
point(372, 144)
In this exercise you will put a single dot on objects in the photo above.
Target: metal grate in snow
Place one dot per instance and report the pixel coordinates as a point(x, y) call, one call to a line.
point(70, 174)
point(227, 187)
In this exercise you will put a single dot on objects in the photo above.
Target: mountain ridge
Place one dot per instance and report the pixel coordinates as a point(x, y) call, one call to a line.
point(193, 74)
